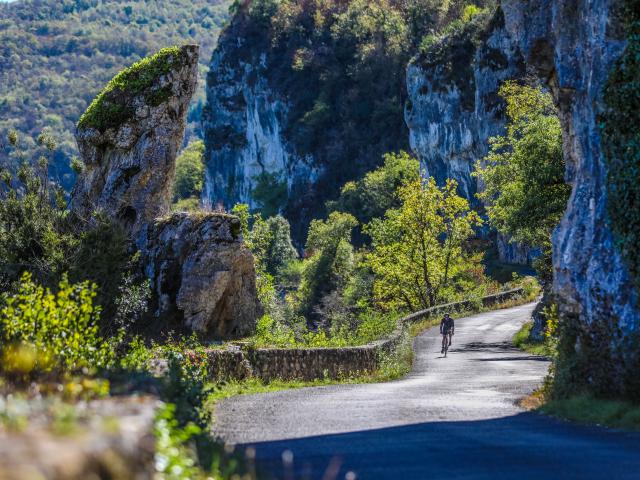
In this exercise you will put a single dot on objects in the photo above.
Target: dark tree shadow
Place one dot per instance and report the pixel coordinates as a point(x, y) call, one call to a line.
point(523, 446)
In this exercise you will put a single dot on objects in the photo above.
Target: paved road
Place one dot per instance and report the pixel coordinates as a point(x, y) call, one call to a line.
point(452, 418)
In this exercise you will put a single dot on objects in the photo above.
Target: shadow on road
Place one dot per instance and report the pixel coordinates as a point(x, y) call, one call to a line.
point(524, 446)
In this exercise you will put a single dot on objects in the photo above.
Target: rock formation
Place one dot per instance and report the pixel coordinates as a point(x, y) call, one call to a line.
point(454, 107)
point(129, 138)
point(573, 45)
point(203, 277)
point(244, 124)
point(266, 117)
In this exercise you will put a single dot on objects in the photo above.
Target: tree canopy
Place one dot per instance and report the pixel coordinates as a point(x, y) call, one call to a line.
point(525, 190)
point(418, 249)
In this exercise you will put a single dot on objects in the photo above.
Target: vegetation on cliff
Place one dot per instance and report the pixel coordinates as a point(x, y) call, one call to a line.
point(341, 67)
point(621, 141)
point(525, 190)
point(112, 106)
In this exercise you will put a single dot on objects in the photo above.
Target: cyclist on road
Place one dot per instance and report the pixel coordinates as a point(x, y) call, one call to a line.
point(447, 327)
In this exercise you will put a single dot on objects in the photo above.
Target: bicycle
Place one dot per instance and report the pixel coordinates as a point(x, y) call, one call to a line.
point(446, 341)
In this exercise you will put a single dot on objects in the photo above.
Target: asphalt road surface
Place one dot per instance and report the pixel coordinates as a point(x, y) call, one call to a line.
point(453, 418)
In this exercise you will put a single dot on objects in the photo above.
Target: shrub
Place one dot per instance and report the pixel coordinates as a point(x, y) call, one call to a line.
point(61, 329)
point(189, 179)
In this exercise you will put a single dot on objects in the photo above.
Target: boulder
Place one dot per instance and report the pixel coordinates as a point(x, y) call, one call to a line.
point(129, 138)
point(203, 276)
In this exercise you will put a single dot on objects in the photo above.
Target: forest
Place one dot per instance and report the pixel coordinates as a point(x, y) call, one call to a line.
point(55, 57)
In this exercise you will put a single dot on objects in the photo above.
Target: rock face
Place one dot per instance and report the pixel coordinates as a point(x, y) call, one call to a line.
point(454, 107)
point(307, 126)
point(203, 277)
point(244, 124)
point(129, 138)
point(573, 44)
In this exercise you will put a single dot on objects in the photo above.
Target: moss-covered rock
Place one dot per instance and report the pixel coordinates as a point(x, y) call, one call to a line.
point(129, 138)
point(113, 106)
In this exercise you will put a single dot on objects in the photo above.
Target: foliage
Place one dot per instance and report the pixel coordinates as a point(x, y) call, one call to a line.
point(418, 254)
point(330, 259)
point(101, 257)
point(595, 411)
point(241, 210)
point(522, 340)
point(56, 56)
point(110, 108)
point(270, 192)
point(621, 142)
point(174, 459)
point(189, 180)
point(342, 65)
point(270, 241)
point(523, 174)
point(59, 329)
point(375, 193)
point(270, 332)
point(39, 235)
point(33, 220)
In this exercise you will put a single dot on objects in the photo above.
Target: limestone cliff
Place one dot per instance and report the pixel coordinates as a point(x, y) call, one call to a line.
point(244, 124)
point(129, 137)
point(454, 108)
point(203, 277)
point(573, 45)
point(300, 99)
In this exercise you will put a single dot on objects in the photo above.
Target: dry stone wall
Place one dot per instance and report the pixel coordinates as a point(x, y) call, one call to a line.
point(309, 364)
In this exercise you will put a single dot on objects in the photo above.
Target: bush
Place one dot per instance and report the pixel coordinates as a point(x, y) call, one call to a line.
point(60, 330)
point(189, 179)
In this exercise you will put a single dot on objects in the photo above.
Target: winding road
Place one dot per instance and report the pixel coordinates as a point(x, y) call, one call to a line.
point(453, 418)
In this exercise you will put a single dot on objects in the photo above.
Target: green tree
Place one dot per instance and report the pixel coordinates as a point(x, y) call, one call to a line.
point(270, 192)
point(329, 262)
point(374, 194)
point(418, 251)
point(189, 172)
point(270, 241)
point(523, 174)
point(33, 223)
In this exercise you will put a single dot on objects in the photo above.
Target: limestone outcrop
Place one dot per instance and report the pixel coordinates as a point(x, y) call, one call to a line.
point(573, 45)
point(203, 277)
point(454, 107)
point(129, 138)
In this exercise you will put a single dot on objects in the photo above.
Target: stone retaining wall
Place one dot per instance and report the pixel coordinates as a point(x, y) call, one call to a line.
point(308, 364)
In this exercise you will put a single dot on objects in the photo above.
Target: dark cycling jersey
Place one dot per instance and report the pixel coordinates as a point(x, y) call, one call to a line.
point(446, 326)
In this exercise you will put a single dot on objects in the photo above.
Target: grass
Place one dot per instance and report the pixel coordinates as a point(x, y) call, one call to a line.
point(583, 409)
point(588, 410)
point(523, 341)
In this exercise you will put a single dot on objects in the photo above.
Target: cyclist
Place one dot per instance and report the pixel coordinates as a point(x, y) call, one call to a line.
point(447, 327)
